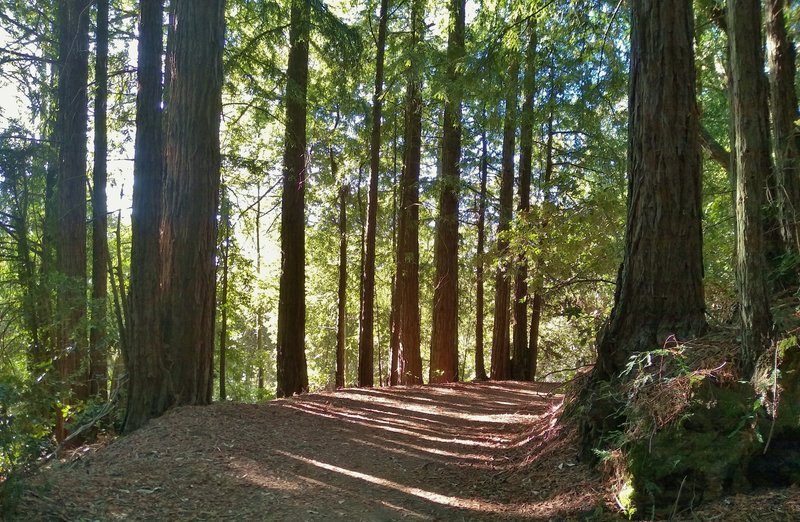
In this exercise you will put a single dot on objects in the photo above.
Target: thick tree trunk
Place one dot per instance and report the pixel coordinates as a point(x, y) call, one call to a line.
point(480, 366)
point(444, 338)
point(98, 354)
point(520, 361)
point(501, 344)
point(659, 290)
point(149, 387)
point(751, 134)
point(659, 294)
point(73, 63)
point(366, 342)
point(783, 107)
point(292, 372)
point(192, 181)
point(407, 320)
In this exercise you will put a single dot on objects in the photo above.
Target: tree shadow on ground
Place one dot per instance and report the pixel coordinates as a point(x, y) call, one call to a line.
point(450, 452)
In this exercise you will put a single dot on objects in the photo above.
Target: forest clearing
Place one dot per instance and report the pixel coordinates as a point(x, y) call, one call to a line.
point(308, 259)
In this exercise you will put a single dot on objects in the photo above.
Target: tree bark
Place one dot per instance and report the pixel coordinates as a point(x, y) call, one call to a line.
point(225, 250)
point(366, 342)
point(149, 390)
point(341, 324)
point(444, 337)
point(501, 343)
point(752, 163)
point(521, 354)
point(292, 372)
point(537, 303)
point(480, 366)
point(98, 356)
point(659, 289)
point(783, 108)
point(73, 64)
point(192, 181)
point(407, 319)
point(259, 305)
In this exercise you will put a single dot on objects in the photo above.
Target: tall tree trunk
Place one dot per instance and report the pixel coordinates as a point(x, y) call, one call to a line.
point(394, 342)
point(659, 292)
point(660, 286)
point(501, 344)
point(98, 354)
point(341, 323)
point(149, 388)
point(751, 134)
point(538, 279)
point(480, 366)
point(225, 250)
point(366, 342)
point(259, 305)
point(407, 320)
point(521, 355)
point(192, 181)
point(783, 107)
point(292, 372)
point(444, 337)
point(73, 62)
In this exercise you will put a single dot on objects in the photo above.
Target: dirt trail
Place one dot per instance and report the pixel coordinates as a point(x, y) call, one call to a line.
point(458, 452)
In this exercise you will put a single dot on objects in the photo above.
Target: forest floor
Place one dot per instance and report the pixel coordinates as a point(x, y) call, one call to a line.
point(478, 451)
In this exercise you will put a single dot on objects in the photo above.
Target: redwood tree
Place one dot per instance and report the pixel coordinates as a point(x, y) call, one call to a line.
point(480, 365)
point(521, 365)
point(70, 231)
point(192, 179)
point(501, 343)
point(366, 348)
point(98, 364)
point(341, 322)
point(783, 109)
point(444, 337)
point(292, 372)
point(149, 392)
point(660, 285)
point(751, 164)
point(406, 317)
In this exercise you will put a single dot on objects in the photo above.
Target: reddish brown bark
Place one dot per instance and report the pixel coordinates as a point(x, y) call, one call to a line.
point(659, 289)
point(480, 366)
point(444, 337)
point(521, 353)
point(192, 180)
point(366, 341)
point(501, 343)
point(292, 372)
point(407, 318)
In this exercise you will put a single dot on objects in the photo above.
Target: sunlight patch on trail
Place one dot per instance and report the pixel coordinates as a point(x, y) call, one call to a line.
point(493, 441)
point(437, 498)
point(449, 455)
